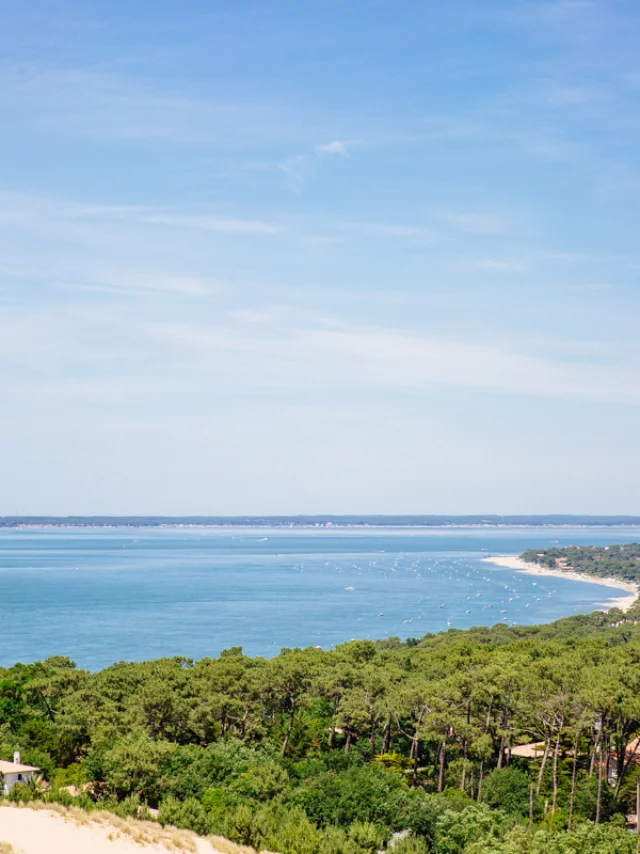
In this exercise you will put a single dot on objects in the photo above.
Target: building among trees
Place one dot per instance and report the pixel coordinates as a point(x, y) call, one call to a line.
point(14, 773)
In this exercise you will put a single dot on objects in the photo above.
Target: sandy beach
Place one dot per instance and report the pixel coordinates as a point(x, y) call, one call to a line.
point(624, 602)
point(35, 831)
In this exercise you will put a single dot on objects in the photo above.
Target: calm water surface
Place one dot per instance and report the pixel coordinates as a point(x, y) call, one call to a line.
point(110, 594)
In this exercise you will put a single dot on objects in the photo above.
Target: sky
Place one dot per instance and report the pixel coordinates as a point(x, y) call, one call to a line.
point(334, 256)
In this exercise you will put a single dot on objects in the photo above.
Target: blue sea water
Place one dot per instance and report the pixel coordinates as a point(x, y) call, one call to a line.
point(102, 595)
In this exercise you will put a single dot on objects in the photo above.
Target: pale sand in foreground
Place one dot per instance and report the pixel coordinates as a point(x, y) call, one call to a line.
point(44, 831)
point(519, 565)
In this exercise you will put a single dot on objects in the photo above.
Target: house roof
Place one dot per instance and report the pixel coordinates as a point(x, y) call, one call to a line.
point(14, 768)
point(529, 751)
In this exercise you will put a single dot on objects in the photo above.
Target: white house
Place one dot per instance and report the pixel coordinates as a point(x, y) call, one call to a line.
point(13, 773)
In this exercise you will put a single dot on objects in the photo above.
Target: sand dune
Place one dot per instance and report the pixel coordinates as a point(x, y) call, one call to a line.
point(59, 831)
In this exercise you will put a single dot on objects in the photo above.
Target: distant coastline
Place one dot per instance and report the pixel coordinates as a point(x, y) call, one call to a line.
point(318, 521)
point(623, 602)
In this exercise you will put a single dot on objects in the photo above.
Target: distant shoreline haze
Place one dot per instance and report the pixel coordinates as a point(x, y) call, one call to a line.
point(404, 521)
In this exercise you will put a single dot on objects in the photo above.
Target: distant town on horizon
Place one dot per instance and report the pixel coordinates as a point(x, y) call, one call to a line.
point(320, 521)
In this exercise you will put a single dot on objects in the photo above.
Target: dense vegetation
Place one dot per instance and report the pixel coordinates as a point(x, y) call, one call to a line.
point(622, 561)
point(404, 745)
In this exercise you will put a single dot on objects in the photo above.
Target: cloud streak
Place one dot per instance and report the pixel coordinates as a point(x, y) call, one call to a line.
point(417, 233)
point(386, 358)
point(333, 148)
point(93, 104)
point(302, 167)
point(213, 224)
point(42, 214)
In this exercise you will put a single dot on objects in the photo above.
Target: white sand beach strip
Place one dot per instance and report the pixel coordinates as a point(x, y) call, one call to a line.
point(624, 602)
point(56, 831)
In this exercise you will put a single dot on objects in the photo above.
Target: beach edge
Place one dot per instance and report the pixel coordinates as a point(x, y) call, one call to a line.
point(623, 602)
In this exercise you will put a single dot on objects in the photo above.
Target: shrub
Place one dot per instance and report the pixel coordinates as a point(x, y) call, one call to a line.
point(188, 814)
point(583, 839)
point(135, 765)
point(262, 781)
point(362, 793)
point(411, 845)
point(367, 836)
point(336, 841)
point(456, 830)
point(507, 789)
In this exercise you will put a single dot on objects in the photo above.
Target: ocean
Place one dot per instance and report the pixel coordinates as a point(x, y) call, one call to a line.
point(101, 595)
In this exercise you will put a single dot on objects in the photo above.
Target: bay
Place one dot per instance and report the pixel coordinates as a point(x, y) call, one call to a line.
point(102, 595)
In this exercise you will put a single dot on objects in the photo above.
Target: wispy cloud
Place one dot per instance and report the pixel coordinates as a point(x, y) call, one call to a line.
point(335, 147)
point(573, 20)
point(569, 96)
point(442, 224)
point(322, 239)
point(365, 356)
point(472, 222)
point(75, 274)
point(167, 217)
point(42, 212)
point(51, 245)
point(95, 104)
point(301, 167)
point(132, 280)
point(278, 347)
point(500, 265)
point(416, 233)
point(214, 224)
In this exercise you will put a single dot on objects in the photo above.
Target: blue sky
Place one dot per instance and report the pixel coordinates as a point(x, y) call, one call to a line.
point(330, 256)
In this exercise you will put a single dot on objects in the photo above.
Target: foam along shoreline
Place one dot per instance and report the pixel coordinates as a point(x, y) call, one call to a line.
point(623, 602)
